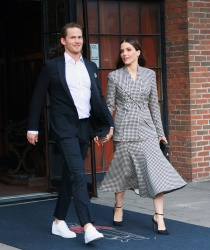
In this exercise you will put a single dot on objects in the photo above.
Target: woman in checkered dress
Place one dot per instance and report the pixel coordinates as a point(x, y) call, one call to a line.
point(138, 162)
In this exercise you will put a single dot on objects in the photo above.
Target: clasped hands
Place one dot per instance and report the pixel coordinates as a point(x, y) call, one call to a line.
point(103, 140)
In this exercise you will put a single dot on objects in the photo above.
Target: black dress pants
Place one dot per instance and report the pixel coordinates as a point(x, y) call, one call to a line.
point(74, 183)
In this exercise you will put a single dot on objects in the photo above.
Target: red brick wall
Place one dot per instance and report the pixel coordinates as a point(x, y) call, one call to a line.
point(188, 86)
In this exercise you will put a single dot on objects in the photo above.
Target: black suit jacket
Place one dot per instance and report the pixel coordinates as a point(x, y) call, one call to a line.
point(63, 113)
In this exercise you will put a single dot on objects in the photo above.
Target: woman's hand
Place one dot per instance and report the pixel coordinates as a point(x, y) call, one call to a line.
point(162, 138)
point(104, 139)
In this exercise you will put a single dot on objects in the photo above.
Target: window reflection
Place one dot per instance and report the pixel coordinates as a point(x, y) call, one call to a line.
point(109, 17)
point(109, 51)
point(129, 16)
point(80, 13)
point(150, 47)
point(150, 18)
point(92, 16)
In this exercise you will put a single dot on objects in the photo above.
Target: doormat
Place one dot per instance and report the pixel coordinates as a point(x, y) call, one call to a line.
point(27, 226)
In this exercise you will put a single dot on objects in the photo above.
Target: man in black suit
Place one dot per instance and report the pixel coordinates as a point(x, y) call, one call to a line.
point(76, 106)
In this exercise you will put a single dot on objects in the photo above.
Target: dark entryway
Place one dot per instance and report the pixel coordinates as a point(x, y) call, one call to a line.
point(22, 167)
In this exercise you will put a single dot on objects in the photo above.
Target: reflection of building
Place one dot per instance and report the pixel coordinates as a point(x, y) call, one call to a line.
point(174, 38)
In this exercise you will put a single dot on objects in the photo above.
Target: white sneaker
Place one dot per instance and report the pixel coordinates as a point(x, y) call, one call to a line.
point(61, 229)
point(91, 234)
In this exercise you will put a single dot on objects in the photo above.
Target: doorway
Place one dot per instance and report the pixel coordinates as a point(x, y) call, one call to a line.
point(22, 168)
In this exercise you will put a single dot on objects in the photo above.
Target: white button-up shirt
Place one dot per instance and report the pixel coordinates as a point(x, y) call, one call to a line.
point(78, 81)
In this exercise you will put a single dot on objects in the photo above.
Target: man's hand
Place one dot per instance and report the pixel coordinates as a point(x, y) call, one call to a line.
point(97, 141)
point(32, 138)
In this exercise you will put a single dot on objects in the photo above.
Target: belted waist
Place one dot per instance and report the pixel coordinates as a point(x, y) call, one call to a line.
point(139, 105)
point(142, 105)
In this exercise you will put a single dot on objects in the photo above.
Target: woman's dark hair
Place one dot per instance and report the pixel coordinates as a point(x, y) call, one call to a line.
point(63, 34)
point(135, 44)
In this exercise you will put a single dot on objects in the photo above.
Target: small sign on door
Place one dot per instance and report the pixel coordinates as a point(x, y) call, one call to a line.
point(94, 53)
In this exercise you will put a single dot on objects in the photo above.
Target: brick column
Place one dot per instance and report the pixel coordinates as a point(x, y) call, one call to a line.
point(187, 26)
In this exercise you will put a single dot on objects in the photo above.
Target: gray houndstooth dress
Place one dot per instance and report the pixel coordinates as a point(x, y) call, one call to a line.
point(138, 162)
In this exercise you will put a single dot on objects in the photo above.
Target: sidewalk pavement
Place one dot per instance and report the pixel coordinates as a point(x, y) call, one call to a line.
point(190, 204)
